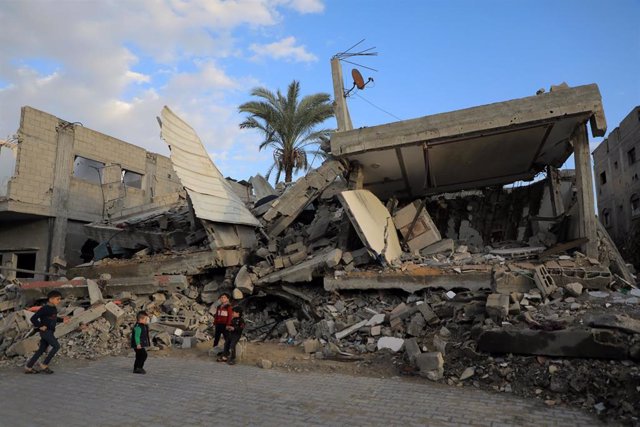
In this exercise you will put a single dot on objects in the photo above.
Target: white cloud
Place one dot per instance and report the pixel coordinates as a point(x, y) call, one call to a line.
point(97, 78)
point(284, 49)
point(305, 6)
point(308, 6)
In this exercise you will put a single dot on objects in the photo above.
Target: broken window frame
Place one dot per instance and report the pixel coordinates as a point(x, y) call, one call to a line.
point(634, 203)
point(603, 177)
point(631, 156)
point(20, 259)
point(87, 169)
point(130, 184)
point(606, 217)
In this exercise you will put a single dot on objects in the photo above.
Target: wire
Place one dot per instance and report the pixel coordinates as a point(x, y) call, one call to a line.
point(359, 65)
point(375, 106)
point(346, 51)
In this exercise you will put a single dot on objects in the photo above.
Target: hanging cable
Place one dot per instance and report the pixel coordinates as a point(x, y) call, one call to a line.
point(375, 106)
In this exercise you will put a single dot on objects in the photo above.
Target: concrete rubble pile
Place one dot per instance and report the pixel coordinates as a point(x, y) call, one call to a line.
point(101, 313)
point(487, 286)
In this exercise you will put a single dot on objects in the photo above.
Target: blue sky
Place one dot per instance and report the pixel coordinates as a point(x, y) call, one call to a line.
point(113, 65)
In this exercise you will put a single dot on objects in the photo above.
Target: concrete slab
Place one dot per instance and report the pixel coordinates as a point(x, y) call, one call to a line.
point(399, 158)
point(409, 281)
point(577, 342)
point(372, 222)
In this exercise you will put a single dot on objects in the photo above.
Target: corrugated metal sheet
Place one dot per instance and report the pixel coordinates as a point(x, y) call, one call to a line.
point(212, 197)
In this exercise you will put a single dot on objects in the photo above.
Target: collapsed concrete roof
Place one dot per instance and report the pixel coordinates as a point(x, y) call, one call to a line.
point(212, 197)
point(492, 144)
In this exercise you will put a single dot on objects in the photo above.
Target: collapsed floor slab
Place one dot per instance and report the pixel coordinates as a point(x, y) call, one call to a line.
point(139, 285)
point(415, 280)
point(285, 209)
point(187, 263)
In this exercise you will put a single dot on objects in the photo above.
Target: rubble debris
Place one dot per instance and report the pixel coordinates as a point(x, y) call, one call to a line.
point(441, 246)
point(574, 289)
point(416, 226)
point(261, 187)
point(305, 271)
point(614, 321)
point(287, 207)
point(543, 280)
point(497, 306)
point(265, 364)
point(411, 280)
point(430, 365)
point(113, 314)
point(498, 303)
point(392, 343)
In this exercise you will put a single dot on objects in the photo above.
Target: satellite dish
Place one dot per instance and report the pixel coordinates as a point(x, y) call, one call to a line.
point(357, 79)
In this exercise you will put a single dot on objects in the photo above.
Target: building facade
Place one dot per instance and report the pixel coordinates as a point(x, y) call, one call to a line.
point(617, 174)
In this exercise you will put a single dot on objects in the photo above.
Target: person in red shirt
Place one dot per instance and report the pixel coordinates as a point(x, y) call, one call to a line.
point(221, 320)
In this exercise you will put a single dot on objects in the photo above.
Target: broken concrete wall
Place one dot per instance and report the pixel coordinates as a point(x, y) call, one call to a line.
point(482, 217)
point(8, 157)
point(74, 175)
point(36, 166)
point(24, 237)
point(71, 173)
point(416, 226)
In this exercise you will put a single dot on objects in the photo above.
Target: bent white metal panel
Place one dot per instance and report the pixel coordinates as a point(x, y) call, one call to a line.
point(212, 197)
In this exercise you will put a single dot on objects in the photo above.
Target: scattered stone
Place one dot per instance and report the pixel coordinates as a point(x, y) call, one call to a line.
point(467, 373)
point(497, 306)
point(291, 327)
point(265, 364)
point(392, 343)
point(113, 314)
point(411, 349)
point(95, 294)
point(599, 294)
point(312, 346)
point(574, 289)
point(430, 365)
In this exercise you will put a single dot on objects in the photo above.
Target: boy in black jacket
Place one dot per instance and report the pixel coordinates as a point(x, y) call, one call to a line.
point(45, 320)
point(235, 332)
point(140, 340)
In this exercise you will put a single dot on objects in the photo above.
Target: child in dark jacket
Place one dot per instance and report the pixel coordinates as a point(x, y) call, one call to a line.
point(140, 340)
point(235, 332)
point(221, 320)
point(45, 320)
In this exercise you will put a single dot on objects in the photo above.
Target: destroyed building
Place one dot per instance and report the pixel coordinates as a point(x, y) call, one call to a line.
point(617, 170)
point(452, 242)
point(65, 176)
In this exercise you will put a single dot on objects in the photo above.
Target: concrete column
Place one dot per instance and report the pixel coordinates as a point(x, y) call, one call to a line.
point(149, 180)
point(60, 197)
point(356, 177)
point(584, 186)
point(9, 260)
point(553, 178)
point(340, 102)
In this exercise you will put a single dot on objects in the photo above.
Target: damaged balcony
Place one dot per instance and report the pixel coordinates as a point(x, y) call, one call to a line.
point(493, 144)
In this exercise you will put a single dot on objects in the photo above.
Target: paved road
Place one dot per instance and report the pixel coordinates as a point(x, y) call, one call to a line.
point(194, 392)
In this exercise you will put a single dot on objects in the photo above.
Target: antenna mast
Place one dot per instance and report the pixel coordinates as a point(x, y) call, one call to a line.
point(340, 95)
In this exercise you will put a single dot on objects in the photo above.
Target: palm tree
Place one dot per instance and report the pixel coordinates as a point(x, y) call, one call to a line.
point(288, 126)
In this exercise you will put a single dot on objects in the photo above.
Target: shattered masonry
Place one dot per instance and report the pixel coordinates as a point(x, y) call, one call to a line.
point(409, 241)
